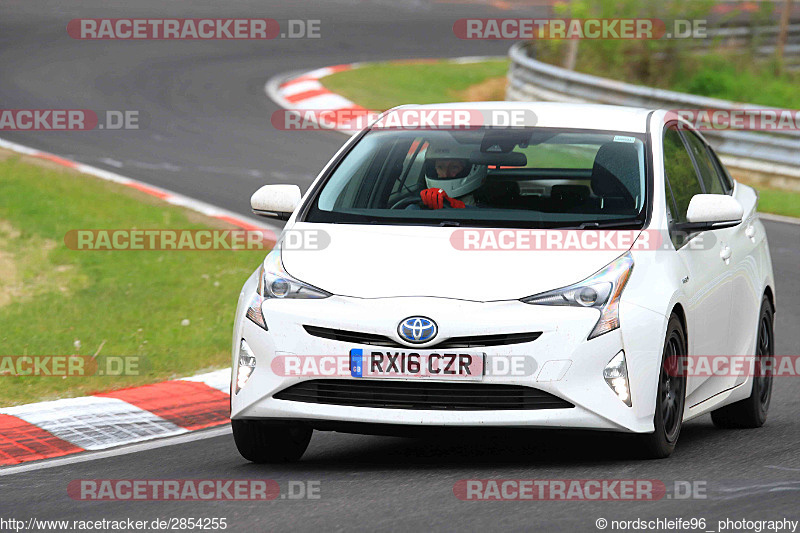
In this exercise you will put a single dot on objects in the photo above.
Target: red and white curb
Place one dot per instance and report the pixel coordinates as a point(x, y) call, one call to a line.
point(57, 428)
point(52, 429)
point(305, 92)
point(163, 194)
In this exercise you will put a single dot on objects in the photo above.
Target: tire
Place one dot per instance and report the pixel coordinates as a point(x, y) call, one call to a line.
point(670, 396)
point(265, 442)
point(752, 411)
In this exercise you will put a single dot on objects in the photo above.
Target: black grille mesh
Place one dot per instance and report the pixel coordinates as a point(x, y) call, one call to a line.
point(421, 395)
point(372, 339)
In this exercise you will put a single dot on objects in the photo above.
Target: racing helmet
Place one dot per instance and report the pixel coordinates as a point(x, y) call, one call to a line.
point(466, 181)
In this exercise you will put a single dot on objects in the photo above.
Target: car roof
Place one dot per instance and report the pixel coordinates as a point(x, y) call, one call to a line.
point(557, 115)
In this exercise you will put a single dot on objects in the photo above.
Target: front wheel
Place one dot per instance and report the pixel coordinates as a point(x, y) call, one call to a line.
point(264, 442)
point(671, 396)
point(752, 411)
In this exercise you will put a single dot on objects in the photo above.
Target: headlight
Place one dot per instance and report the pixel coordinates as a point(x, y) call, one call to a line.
point(275, 282)
point(601, 291)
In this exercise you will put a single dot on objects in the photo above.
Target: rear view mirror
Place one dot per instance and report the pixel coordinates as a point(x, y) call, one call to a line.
point(276, 201)
point(712, 211)
point(508, 159)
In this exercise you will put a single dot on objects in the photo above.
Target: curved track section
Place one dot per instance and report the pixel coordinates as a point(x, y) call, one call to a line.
point(207, 135)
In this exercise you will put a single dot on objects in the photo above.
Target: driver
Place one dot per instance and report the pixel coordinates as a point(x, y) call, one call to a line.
point(450, 176)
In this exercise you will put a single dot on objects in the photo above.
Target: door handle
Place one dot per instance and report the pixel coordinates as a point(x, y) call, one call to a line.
point(725, 253)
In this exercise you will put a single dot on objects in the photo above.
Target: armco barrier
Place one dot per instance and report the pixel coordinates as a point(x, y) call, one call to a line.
point(771, 157)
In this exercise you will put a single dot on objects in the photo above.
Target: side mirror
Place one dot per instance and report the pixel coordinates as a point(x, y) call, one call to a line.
point(276, 201)
point(712, 211)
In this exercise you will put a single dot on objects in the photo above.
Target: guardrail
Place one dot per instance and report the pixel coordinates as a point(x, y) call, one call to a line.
point(760, 39)
point(768, 157)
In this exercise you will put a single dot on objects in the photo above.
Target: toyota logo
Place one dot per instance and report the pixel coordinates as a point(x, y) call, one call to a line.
point(417, 329)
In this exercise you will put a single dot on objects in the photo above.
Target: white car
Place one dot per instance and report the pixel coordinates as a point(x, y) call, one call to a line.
point(557, 273)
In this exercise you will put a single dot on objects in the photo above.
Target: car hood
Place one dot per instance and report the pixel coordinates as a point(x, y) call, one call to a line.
point(385, 261)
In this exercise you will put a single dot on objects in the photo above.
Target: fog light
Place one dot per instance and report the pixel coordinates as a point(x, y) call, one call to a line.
point(616, 375)
point(247, 363)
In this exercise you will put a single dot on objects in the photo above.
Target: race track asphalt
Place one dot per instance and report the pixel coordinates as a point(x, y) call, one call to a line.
point(207, 135)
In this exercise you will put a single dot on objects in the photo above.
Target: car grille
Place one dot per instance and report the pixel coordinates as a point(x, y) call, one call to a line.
point(435, 396)
point(476, 341)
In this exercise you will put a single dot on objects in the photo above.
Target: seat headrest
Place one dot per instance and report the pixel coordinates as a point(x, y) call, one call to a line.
point(576, 193)
point(615, 171)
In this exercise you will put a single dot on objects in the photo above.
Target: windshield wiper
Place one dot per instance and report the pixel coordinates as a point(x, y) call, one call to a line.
point(609, 224)
point(413, 222)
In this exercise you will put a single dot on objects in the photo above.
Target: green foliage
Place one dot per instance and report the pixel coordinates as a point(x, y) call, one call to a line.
point(639, 59)
point(120, 303)
point(384, 85)
point(379, 87)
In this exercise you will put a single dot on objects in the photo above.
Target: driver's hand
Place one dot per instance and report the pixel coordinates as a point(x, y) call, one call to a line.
point(434, 199)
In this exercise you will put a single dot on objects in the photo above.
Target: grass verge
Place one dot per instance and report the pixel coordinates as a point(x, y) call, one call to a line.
point(57, 301)
point(779, 202)
point(384, 85)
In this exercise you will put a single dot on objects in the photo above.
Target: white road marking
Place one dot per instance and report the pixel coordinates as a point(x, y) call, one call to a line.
point(784, 468)
point(111, 162)
point(171, 197)
point(325, 102)
point(476, 59)
point(748, 491)
point(320, 72)
point(778, 218)
point(219, 379)
point(155, 166)
point(94, 422)
point(115, 452)
point(301, 87)
point(777, 484)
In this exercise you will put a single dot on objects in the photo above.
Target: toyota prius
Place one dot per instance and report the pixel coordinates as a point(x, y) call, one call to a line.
point(574, 270)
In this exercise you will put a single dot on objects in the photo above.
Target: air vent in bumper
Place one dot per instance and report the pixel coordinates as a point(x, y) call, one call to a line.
point(372, 339)
point(426, 395)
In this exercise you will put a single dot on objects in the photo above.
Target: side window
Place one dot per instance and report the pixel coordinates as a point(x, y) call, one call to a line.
point(681, 177)
point(722, 172)
point(711, 181)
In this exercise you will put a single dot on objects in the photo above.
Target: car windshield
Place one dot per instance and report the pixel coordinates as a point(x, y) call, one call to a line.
point(512, 177)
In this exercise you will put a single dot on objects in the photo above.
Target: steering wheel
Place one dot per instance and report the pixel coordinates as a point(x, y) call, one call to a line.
point(405, 202)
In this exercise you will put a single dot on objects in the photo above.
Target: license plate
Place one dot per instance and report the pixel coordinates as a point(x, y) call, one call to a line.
point(381, 363)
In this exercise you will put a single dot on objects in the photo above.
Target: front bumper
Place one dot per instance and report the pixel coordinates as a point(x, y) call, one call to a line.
point(562, 361)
